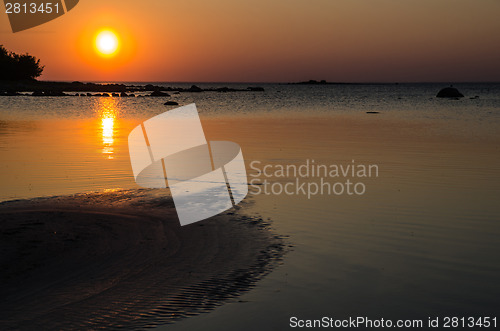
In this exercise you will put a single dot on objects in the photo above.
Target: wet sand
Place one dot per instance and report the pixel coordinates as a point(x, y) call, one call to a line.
point(120, 259)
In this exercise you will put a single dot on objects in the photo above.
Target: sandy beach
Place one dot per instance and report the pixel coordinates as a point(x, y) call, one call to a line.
point(113, 260)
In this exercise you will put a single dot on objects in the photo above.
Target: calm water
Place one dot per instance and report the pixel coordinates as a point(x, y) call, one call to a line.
point(422, 241)
point(409, 100)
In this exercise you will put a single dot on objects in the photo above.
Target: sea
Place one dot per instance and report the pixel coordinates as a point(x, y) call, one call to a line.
point(416, 241)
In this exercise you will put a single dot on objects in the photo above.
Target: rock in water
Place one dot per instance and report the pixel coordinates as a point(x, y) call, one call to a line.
point(256, 89)
point(194, 88)
point(159, 94)
point(449, 92)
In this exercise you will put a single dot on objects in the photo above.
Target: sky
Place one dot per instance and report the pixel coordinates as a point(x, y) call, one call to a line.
point(270, 41)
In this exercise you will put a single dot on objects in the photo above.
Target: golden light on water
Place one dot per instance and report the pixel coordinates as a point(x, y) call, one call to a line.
point(108, 124)
point(108, 111)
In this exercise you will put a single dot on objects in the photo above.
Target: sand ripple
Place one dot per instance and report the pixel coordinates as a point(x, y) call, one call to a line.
point(120, 260)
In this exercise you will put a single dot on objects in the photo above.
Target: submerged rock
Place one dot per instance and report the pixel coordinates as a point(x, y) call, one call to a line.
point(449, 92)
point(159, 94)
point(49, 93)
point(256, 89)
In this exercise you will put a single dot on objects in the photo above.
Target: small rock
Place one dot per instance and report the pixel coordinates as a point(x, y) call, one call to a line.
point(225, 89)
point(449, 92)
point(159, 94)
point(171, 103)
point(256, 89)
point(194, 88)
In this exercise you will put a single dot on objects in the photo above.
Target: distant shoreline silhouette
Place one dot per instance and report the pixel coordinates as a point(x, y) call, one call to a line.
point(18, 73)
point(42, 88)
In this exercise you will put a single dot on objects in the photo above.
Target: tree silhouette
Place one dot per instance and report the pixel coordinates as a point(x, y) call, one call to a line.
point(18, 66)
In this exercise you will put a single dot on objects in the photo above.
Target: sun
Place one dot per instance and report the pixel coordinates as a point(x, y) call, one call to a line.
point(107, 43)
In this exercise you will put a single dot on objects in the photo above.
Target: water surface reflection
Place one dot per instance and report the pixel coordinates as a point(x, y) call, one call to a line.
point(108, 110)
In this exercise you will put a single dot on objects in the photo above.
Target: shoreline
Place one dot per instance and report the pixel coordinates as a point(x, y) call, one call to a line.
point(120, 259)
point(48, 88)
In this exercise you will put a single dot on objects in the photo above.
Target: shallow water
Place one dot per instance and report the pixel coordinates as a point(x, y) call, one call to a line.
point(422, 241)
point(119, 259)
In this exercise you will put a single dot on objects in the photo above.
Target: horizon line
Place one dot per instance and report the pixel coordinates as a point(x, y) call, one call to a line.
point(275, 82)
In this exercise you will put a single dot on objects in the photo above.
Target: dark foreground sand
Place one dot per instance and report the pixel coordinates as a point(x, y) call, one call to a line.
point(120, 259)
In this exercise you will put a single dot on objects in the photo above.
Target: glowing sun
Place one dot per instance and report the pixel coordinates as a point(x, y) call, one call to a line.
point(107, 43)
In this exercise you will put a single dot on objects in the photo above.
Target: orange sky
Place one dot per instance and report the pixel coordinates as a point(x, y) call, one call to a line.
point(271, 40)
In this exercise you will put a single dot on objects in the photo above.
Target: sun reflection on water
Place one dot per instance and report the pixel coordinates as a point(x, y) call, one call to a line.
point(108, 112)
